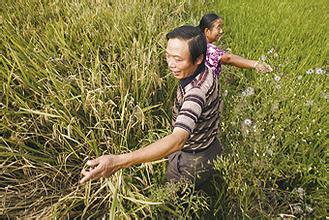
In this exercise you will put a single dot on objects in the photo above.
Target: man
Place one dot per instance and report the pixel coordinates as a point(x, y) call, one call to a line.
point(192, 145)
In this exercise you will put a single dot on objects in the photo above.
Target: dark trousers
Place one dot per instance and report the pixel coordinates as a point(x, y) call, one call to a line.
point(196, 168)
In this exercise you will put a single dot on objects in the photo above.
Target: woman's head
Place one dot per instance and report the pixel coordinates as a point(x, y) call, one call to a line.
point(211, 25)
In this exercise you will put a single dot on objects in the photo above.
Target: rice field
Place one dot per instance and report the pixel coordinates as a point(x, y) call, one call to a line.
point(84, 78)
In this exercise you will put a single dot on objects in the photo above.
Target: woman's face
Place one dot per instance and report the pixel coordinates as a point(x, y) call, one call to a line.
point(215, 32)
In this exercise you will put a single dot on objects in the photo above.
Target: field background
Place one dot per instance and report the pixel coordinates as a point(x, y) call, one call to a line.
point(83, 78)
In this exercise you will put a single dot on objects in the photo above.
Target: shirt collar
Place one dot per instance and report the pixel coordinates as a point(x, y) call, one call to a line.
point(184, 82)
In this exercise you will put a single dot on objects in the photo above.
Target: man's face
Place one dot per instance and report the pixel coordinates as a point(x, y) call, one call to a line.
point(179, 60)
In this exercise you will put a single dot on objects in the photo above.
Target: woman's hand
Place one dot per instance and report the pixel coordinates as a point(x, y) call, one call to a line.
point(103, 166)
point(263, 68)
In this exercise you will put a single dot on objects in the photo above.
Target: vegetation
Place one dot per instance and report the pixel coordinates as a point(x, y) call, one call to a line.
point(84, 78)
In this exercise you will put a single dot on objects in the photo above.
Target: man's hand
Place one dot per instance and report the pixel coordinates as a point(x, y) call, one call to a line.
point(263, 68)
point(107, 165)
point(103, 166)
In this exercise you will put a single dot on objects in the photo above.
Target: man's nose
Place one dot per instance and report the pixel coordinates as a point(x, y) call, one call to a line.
point(171, 63)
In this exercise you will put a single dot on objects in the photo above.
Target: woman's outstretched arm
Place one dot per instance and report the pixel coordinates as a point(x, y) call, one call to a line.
point(241, 62)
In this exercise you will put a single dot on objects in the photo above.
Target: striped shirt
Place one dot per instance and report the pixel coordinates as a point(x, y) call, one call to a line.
point(196, 108)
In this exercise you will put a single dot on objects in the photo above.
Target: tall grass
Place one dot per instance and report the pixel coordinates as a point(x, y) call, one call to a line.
point(84, 78)
point(275, 126)
point(80, 79)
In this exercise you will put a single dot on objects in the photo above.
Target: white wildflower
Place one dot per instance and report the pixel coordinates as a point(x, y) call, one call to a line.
point(271, 51)
point(310, 71)
point(299, 77)
point(263, 58)
point(297, 209)
point(309, 102)
point(309, 209)
point(301, 192)
point(277, 78)
point(225, 93)
point(318, 70)
point(247, 121)
point(324, 95)
point(249, 91)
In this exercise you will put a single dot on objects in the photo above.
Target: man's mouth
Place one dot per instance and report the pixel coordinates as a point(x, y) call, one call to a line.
point(175, 73)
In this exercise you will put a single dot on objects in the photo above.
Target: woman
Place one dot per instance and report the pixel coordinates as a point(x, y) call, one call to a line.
point(211, 26)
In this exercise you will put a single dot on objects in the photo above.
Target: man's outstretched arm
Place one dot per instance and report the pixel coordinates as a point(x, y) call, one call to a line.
point(106, 165)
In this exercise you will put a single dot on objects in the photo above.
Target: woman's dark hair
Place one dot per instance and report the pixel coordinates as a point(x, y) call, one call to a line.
point(208, 20)
point(197, 42)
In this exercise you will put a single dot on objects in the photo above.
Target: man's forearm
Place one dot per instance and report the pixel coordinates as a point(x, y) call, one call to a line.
point(155, 151)
point(106, 165)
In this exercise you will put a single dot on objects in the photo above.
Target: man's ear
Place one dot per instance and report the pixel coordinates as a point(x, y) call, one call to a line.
point(199, 59)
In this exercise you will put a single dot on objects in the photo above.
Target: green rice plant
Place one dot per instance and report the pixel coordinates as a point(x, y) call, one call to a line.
point(81, 79)
point(274, 126)
point(84, 78)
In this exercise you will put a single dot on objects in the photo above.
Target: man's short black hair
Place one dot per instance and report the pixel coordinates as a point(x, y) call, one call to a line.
point(196, 40)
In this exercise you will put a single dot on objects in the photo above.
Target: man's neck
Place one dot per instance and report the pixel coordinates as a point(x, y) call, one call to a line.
point(199, 69)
